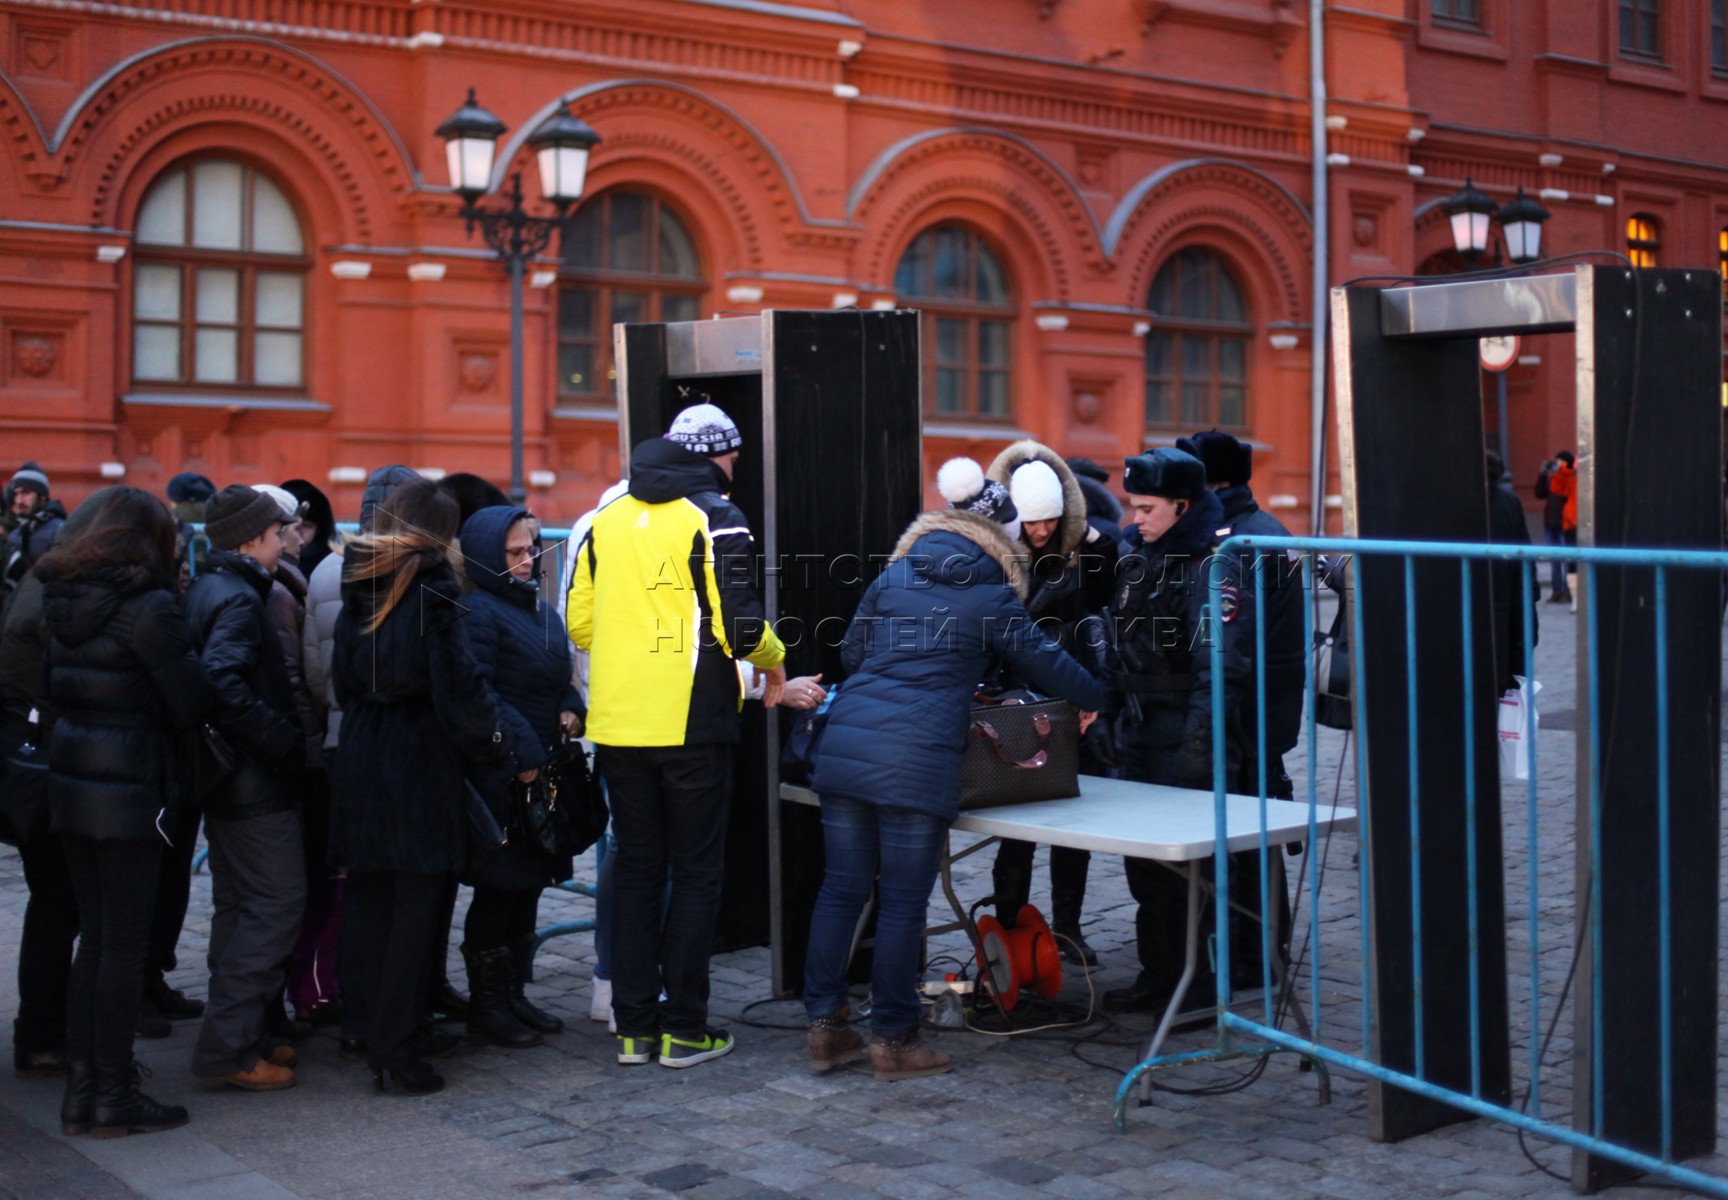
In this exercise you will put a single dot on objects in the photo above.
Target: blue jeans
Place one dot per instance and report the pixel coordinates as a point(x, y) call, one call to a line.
point(899, 850)
point(1557, 580)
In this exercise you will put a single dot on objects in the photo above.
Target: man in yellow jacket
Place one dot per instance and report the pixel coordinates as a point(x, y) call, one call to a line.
point(662, 598)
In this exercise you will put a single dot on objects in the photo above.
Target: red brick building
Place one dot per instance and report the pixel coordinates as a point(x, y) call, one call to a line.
point(227, 242)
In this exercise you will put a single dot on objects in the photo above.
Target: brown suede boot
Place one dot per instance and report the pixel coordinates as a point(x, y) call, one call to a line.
point(905, 1056)
point(833, 1041)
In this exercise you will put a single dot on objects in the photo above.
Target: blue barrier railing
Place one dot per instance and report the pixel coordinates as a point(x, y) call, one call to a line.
point(1259, 1033)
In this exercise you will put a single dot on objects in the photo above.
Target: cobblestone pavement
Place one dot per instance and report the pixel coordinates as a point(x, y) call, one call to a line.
point(1019, 1117)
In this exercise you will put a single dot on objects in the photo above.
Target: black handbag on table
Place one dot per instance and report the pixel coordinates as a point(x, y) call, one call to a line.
point(1020, 748)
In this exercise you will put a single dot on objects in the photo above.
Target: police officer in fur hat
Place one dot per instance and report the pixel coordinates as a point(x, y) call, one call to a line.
point(1161, 644)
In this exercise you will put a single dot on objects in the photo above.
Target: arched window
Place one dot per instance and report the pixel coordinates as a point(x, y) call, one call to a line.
point(1197, 350)
point(957, 280)
point(627, 258)
point(219, 289)
point(1643, 239)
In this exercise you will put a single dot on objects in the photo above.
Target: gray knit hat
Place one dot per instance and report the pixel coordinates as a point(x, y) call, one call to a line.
point(237, 514)
point(33, 477)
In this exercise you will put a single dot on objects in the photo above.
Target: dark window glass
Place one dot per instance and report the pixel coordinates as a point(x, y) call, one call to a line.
point(1197, 350)
point(1719, 35)
point(1640, 31)
point(958, 281)
point(626, 258)
point(1459, 12)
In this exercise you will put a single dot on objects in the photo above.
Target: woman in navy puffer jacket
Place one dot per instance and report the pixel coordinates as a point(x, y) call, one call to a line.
point(950, 603)
point(525, 658)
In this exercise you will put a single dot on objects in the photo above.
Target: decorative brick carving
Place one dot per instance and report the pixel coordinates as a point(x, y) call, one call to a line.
point(478, 371)
point(42, 52)
point(35, 355)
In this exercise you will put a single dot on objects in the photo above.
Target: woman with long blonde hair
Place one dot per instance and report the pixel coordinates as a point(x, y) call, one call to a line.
point(417, 722)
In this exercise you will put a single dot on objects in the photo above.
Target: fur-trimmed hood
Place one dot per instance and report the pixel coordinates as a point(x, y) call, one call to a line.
point(1072, 531)
point(982, 532)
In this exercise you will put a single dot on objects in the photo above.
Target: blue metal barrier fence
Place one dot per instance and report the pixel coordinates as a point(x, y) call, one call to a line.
point(1257, 1033)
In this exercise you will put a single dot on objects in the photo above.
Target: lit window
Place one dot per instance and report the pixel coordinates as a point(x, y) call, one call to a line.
point(1643, 240)
point(957, 280)
point(1722, 252)
point(1640, 30)
point(1197, 350)
point(1458, 12)
point(219, 289)
point(627, 258)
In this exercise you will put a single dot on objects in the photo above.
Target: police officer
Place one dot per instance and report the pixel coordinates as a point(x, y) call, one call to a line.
point(1229, 467)
point(1162, 665)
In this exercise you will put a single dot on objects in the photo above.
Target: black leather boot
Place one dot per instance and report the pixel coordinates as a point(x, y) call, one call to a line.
point(490, 1022)
point(122, 1109)
point(446, 1003)
point(523, 1009)
point(1067, 896)
point(79, 1100)
point(1013, 887)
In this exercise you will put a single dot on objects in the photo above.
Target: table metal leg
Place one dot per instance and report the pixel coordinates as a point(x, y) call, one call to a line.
point(1226, 1048)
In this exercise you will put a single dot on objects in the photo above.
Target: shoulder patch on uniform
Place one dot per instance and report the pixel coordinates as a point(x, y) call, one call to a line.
point(1227, 602)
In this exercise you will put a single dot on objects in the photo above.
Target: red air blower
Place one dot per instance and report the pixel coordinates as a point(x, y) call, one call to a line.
point(1025, 956)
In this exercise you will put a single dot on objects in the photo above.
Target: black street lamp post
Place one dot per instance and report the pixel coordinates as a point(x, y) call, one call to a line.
point(1471, 213)
point(561, 144)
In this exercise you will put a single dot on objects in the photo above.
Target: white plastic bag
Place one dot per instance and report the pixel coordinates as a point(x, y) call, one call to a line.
point(1518, 726)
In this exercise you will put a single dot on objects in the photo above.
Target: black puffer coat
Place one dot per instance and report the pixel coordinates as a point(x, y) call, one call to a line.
point(925, 634)
point(225, 606)
point(525, 657)
point(124, 675)
point(417, 720)
point(1281, 586)
point(1162, 652)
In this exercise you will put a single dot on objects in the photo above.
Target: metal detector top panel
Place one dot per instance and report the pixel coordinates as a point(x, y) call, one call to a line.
point(732, 346)
point(1481, 307)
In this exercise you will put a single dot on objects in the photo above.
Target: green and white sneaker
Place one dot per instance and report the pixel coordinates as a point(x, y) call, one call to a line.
point(685, 1052)
point(634, 1051)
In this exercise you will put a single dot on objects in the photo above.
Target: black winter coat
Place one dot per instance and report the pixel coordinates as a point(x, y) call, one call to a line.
point(417, 719)
point(226, 609)
point(1508, 527)
point(125, 676)
point(925, 634)
point(525, 657)
point(23, 679)
point(1162, 653)
point(1281, 593)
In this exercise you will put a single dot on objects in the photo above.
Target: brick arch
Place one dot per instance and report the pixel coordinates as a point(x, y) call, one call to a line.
point(1270, 232)
point(685, 171)
point(28, 152)
point(715, 147)
point(893, 198)
point(242, 82)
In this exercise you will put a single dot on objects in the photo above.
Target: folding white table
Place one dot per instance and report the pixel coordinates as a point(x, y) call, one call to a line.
point(1170, 825)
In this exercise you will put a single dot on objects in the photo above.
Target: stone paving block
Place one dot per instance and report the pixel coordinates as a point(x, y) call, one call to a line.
point(680, 1178)
point(1020, 1170)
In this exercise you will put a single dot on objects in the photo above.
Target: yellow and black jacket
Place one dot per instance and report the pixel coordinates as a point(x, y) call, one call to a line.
point(662, 598)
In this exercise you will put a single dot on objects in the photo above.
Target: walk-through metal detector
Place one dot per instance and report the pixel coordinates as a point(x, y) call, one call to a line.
point(1649, 447)
point(829, 475)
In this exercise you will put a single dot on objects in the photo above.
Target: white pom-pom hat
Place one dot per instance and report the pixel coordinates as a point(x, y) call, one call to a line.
point(1036, 491)
point(961, 482)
